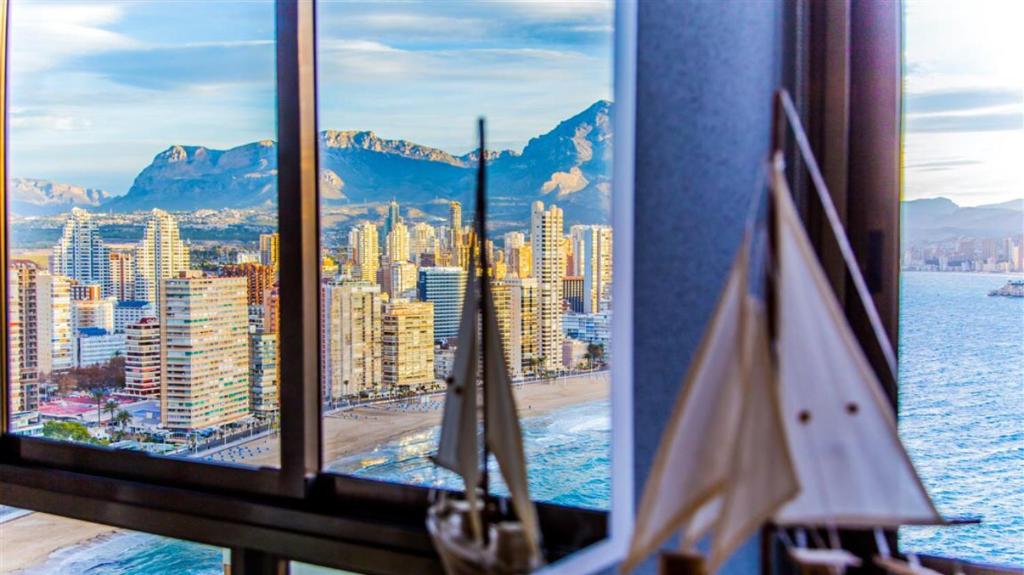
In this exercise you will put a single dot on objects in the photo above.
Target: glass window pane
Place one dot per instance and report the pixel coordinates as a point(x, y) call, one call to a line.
point(143, 246)
point(401, 87)
point(962, 282)
point(41, 544)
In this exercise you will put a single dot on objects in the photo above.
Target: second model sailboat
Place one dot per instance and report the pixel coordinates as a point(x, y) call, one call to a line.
point(471, 534)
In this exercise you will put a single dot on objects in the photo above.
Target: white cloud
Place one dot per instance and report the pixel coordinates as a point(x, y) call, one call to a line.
point(47, 34)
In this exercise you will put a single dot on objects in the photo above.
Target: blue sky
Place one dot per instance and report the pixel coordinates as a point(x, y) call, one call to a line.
point(99, 88)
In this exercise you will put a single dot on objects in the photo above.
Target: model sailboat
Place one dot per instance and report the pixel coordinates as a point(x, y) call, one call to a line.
point(782, 419)
point(469, 534)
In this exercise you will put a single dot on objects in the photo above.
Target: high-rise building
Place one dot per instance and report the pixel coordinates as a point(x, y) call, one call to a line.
point(142, 358)
point(258, 279)
point(546, 237)
point(80, 253)
point(399, 278)
point(523, 328)
point(15, 351)
point(272, 310)
point(269, 249)
point(445, 287)
point(93, 311)
point(454, 226)
point(365, 251)
point(398, 243)
point(350, 338)
point(393, 217)
point(572, 290)
point(594, 263)
point(204, 351)
point(96, 346)
point(54, 335)
point(264, 378)
point(122, 275)
point(130, 312)
point(422, 240)
point(161, 254)
point(501, 295)
point(408, 344)
point(24, 311)
point(520, 260)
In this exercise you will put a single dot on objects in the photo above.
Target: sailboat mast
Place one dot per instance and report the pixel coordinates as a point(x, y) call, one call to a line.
point(485, 286)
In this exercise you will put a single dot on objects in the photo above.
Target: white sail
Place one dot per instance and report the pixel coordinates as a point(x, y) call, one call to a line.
point(692, 466)
point(853, 470)
point(762, 477)
point(504, 437)
point(459, 448)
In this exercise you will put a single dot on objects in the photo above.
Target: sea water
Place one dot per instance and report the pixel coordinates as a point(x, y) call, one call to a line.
point(962, 411)
point(961, 417)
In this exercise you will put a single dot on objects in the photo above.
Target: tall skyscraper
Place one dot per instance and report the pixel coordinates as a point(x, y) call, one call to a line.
point(445, 287)
point(142, 358)
point(54, 335)
point(15, 351)
point(365, 251)
point(546, 238)
point(572, 290)
point(455, 223)
point(24, 310)
point(524, 326)
point(399, 278)
point(393, 217)
point(594, 263)
point(264, 377)
point(204, 351)
point(161, 254)
point(408, 344)
point(93, 312)
point(422, 240)
point(350, 338)
point(269, 249)
point(122, 275)
point(258, 279)
point(80, 253)
point(398, 243)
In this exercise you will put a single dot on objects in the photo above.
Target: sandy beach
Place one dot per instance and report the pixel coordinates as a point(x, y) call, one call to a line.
point(362, 429)
point(29, 540)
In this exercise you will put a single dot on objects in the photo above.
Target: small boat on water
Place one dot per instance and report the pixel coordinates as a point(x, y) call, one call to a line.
point(1013, 288)
point(473, 535)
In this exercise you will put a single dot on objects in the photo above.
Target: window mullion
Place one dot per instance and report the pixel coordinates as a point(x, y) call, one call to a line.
point(300, 235)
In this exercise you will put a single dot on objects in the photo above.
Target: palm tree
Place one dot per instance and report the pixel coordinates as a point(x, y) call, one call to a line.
point(98, 394)
point(122, 419)
point(111, 408)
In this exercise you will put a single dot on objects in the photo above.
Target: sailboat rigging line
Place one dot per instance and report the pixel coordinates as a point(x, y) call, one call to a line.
point(784, 104)
point(485, 286)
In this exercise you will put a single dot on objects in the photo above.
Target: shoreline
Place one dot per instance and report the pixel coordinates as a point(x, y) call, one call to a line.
point(364, 428)
point(37, 536)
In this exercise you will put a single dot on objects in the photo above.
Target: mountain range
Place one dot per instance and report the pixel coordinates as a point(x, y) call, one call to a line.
point(34, 197)
point(569, 165)
point(938, 219)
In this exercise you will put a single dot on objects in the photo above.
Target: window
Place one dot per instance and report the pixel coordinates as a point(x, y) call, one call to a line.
point(143, 247)
point(961, 343)
point(400, 89)
point(150, 254)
